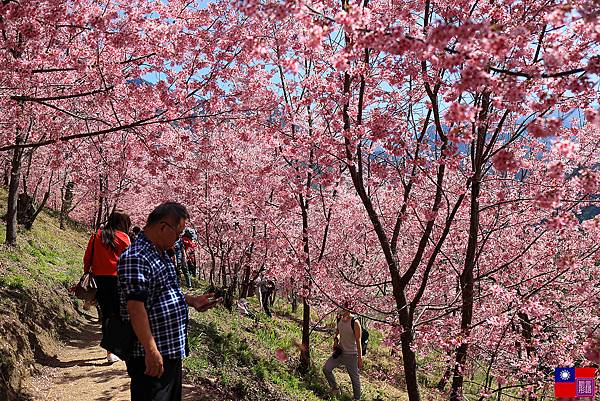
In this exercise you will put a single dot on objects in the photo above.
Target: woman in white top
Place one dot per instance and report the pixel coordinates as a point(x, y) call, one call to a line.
point(347, 351)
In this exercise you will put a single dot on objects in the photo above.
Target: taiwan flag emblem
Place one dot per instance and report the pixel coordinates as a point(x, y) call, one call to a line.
point(574, 382)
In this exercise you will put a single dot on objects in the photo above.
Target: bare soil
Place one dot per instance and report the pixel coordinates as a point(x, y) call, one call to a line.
point(76, 369)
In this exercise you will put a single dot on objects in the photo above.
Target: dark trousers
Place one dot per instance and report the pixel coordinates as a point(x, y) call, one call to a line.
point(266, 300)
point(181, 268)
point(192, 268)
point(146, 388)
point(107, 297)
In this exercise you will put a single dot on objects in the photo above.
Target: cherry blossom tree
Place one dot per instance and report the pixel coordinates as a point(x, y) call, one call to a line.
point(430, 160)
point(404, 100)
point(72, 71)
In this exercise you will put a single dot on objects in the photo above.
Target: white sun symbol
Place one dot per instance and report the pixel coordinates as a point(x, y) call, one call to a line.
point(564, 374)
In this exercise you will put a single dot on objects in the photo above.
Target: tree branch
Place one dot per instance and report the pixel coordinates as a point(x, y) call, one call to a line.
point(24, 98)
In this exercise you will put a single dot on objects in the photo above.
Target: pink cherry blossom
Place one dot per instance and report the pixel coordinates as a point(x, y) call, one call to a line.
point(505, 160)
point(348, 150)
point(564, 148)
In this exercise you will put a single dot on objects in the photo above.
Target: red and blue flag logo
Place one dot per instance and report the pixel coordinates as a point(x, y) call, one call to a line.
point(574, 382)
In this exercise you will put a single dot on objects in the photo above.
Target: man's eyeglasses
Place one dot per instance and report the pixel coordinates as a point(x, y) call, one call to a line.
point(179, 233)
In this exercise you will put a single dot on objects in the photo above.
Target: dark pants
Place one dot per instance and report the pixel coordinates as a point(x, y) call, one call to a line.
point(146, 388)
point(192, 268)
point(181, 268)
point(266, 300)
point(107, 296)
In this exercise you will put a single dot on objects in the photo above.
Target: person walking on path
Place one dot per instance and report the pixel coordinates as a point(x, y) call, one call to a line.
point(181, 262)
point(101, 256)
point(189, 236)
point(267, 290)
point(347, 351)
point(152, 300)
point(265, 293)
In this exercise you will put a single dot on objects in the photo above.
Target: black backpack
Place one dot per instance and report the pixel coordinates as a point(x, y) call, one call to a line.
point(364, 336)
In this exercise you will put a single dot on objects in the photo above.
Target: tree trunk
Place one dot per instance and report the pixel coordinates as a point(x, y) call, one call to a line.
point(41, 206)
point(25, 175)
point(6, 173)
point(245, 285)
point(230, 293)
point(467, 277)
point(409, 360)
point(293, 297)
point(67, 201)
point(25, 208)
point(527, 333)
point(13, 192)
point(246, 260)
point(99, 214)
point(27, 211)
point(294, 303)
point(398, 288)
point(223, 272)
point(101, 203)
point(441, 385)
point(213, 267)
point(305, 349)
point(467, 286)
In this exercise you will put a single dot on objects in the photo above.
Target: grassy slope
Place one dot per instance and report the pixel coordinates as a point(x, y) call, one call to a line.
point(44, 254)
point(231, 353)
point(239, 353)
point(35, 305)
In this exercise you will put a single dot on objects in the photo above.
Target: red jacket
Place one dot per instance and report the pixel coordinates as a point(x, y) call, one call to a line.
point(188, 243)
point(105, 258)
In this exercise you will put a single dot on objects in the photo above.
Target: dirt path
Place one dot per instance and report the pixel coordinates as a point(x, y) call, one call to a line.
point(77, 370)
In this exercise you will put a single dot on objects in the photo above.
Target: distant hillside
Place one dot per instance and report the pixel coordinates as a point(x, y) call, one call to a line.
point(589, 212)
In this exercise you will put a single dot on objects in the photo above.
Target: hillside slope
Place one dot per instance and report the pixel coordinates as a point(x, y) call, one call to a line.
point(238, 354)
point(232, 356)
point(34, 277)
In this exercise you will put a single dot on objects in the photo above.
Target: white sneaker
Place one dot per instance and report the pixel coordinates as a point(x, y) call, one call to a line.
point(112, 358)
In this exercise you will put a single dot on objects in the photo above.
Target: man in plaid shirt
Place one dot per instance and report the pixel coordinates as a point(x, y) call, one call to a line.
point(152, 300)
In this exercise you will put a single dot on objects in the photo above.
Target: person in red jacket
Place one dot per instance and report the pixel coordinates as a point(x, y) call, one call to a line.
point(101, 256)
point(189, 237)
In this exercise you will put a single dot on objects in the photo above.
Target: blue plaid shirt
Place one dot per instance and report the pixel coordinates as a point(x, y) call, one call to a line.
point(148, 274)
